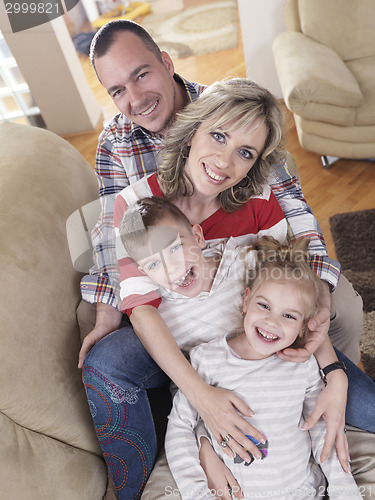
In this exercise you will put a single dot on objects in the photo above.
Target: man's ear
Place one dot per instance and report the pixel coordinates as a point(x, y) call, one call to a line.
point(167, 61)
point(198, 233)
point(246, 299)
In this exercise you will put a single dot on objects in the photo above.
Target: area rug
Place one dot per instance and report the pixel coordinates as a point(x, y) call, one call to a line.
point(354, 237)
point(196, 30)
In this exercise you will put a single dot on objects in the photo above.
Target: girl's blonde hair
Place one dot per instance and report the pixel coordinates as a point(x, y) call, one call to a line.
point(230, 105)
point(285, 263)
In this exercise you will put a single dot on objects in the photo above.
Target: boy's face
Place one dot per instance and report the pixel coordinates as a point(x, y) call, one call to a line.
point(179, 264)
point(274, 318)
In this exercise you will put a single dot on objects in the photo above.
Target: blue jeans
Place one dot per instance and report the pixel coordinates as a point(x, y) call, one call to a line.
point(360, 407)
point(116, 373)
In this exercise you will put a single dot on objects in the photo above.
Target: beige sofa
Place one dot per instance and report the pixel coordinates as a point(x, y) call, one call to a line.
point(48, 447)
point(326, 67)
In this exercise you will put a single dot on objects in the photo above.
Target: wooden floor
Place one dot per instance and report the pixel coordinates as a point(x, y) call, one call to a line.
point(346, 186)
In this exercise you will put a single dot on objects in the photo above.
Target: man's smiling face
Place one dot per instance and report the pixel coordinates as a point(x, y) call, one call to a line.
point(139, 83)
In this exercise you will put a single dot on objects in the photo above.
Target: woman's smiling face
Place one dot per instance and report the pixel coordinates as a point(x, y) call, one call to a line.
point(220, 159)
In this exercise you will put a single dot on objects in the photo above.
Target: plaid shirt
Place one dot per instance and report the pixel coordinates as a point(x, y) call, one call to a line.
point(126, 153)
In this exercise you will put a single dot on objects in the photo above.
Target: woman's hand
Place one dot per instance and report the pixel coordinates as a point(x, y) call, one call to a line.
point(331, 406)
point(219, 477)
point(220, 409)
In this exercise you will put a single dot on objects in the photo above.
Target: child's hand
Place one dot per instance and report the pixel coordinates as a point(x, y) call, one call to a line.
point(220, 409)
point(219, 477)
point(331, 406)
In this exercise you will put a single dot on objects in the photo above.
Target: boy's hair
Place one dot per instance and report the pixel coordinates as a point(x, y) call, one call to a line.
point(135, 225)
point(230, 105)
point(106, 36)
point(285, 263)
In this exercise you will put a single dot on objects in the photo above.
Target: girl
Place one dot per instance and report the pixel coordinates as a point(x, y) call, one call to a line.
point(282, 297)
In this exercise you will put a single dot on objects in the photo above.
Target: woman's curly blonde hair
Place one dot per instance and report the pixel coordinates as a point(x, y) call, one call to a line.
point(230, 105)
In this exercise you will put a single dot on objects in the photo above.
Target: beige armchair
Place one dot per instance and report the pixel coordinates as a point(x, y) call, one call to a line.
point(326, 67)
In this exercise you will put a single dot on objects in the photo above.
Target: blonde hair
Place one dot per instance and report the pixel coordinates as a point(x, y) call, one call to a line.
point(285, 263)
point(230, 104)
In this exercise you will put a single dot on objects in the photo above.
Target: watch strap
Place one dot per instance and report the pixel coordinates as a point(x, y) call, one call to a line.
point(337, 365)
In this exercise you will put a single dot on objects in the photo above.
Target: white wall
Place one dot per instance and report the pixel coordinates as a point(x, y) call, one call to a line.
point(50, 65)
point(261, 21)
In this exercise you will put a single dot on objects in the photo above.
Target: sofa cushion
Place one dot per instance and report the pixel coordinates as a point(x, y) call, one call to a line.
point(315, 82)
point(42, 401)
point(345, 26)
point(364, 72)
point(328, 139)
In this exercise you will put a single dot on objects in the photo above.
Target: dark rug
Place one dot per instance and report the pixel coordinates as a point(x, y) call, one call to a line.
point(354, 237)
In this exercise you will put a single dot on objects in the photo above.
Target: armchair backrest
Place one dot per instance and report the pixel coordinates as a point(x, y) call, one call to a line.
point(345, 26)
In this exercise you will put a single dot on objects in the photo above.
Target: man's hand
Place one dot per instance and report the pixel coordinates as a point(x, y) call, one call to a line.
point(219, 477)
point(108, 319)
point(318, 330)
point(331, 406)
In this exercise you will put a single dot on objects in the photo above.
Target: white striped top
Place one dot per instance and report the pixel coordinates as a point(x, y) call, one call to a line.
point(281, 394)
point(194, 320)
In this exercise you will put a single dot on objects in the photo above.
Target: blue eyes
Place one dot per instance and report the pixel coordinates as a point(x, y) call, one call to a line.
point(265, 306)
point(245, 154)
point(118, 92)
point(153, 265)
point(176, 247)
point(289, 316)
point(218, 136)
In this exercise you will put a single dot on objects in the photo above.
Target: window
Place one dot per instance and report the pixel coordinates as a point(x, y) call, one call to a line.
point(16, 102)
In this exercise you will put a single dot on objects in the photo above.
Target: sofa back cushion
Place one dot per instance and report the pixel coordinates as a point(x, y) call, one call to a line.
point(43, 180)
point(346, 26)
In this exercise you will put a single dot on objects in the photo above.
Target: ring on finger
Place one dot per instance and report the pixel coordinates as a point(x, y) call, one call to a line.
point(227, 438)
point(223, 444)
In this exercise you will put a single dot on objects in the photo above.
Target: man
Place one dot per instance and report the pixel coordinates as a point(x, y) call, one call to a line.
point(141, 81)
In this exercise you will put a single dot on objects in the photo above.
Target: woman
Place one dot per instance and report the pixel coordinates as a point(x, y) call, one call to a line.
point(215, 164)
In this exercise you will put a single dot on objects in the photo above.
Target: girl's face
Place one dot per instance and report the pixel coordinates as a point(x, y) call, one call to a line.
point(219, 160)
point(179, 265)
point(274, 318)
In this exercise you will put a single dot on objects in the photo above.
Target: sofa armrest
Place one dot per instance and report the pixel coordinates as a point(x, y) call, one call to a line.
point(310, 72)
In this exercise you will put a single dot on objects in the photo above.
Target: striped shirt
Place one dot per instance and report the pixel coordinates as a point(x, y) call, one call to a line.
point(260, 216)
point(281, 394)
point(126, 153)
point(209, 315)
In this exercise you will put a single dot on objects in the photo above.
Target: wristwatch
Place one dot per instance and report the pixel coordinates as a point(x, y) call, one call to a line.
point(338, 365)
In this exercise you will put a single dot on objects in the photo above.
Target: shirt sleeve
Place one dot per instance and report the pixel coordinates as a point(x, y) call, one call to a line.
point(340, 484)
point(102, 284)
point(302, 223)
point(136, 288)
